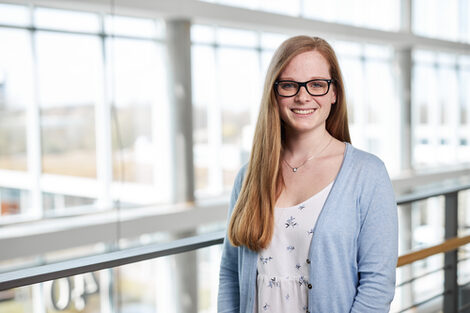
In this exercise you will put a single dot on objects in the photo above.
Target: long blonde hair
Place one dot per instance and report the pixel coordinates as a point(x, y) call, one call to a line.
point(252, 221)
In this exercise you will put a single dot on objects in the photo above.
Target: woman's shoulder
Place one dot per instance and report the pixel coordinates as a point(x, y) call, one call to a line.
point(365, 162)
point(363, 157)
point(369, 173)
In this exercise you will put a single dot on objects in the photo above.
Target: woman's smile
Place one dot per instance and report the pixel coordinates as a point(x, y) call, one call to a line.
point(303, 112)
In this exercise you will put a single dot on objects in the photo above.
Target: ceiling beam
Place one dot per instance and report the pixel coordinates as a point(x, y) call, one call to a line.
point(228, 16)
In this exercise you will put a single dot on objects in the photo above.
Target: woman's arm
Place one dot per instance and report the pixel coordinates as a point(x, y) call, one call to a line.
point(228, 299)
point(377, 247)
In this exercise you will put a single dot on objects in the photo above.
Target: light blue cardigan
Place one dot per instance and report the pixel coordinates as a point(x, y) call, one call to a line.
point(353, 251)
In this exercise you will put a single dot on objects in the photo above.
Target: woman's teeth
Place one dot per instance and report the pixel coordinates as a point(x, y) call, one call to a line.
point(297, 111)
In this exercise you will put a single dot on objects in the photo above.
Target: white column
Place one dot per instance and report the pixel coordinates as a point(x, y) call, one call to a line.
point(179, 83)
point(180, 93)
point(186, 277)
point(404, 64)
point(404, 67)
point(214, 128)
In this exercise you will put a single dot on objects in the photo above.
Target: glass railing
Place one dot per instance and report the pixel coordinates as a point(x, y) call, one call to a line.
point(182, 275)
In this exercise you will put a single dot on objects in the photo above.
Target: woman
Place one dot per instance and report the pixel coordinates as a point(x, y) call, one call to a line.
point(313, 220)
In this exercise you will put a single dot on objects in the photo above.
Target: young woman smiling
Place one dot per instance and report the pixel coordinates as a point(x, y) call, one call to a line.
point(312, 220)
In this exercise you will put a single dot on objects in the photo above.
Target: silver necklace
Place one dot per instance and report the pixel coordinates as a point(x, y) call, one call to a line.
point(295, 169)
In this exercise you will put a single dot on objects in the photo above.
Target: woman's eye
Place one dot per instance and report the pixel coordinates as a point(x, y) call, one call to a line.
point(288, 86)
point(318, 84)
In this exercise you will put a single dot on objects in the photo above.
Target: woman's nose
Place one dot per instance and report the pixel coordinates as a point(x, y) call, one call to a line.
point(303, 95)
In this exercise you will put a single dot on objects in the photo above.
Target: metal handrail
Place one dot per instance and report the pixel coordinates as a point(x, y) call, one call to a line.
point(409, 281)
point(93, 263)
point(422, 302)
point(446, 246)
point(430, 193)
point(464, 307)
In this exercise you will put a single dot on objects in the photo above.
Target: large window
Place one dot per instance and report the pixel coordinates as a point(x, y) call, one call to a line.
point(70, 87)
point(138, 84)
point(440, 108)
point(224, 116)
point(86, 129)
point(16, 95)
point(373, 105)
point(228, 76)
point(447, 20)
point(138, 77)
point(83, 110)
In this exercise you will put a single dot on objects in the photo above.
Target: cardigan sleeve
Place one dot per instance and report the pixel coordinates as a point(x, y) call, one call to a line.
point(377, 245)
point(228, 299)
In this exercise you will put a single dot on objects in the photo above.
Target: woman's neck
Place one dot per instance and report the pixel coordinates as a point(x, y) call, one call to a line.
point(299, 146)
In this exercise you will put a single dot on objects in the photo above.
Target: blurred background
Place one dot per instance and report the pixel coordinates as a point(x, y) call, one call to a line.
point(123, 124)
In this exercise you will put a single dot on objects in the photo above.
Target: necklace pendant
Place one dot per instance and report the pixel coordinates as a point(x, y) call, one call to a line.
point(294, 169)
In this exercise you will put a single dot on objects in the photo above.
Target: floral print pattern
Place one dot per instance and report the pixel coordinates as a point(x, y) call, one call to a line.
point(265, 260)
point(283, 271)
point(291, 222)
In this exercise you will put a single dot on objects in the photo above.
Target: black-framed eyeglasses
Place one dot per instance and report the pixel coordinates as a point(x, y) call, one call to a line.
point(315, 87)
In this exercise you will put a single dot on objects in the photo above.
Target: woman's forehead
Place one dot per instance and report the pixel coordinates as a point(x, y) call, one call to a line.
point(307, 64)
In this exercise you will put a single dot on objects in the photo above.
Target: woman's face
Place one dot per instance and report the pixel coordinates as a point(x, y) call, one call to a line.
point(304, 112)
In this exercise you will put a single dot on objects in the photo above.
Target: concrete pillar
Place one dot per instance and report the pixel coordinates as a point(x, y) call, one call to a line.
point(406, 16)
point(404, 64)
point(186, 281)
point(179, 84)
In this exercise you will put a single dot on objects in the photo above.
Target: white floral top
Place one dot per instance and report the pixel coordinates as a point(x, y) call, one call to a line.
point(283, 277)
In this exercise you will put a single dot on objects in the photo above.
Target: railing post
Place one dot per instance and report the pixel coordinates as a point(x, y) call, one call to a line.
point(406, 244)
point(451, 295)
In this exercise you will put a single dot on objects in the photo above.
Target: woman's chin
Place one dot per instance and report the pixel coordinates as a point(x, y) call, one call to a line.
point(304, 128)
